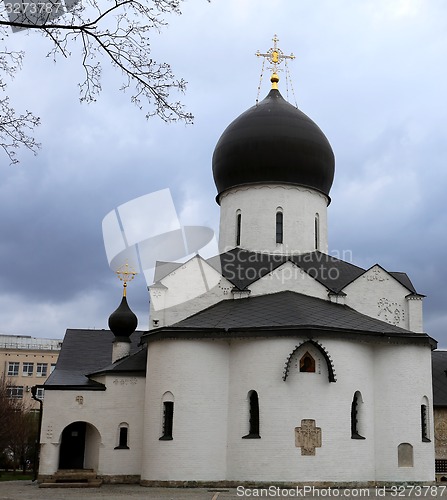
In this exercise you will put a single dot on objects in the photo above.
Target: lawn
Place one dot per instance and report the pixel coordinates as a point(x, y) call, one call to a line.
point(11, 476)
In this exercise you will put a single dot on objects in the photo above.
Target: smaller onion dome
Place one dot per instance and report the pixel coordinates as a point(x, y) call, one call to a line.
point(123, 322)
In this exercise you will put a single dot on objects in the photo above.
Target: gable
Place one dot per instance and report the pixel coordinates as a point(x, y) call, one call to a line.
point(380, 295)
point(289, 276)
point(184, 283)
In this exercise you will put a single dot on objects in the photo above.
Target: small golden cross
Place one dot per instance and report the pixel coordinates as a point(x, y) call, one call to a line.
point(275, 57)
point(125, 275)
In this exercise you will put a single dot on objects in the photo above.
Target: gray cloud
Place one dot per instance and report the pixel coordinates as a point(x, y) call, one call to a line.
point(368, 73)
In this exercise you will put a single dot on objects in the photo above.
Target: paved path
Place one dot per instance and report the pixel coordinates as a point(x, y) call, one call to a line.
point(27, 490)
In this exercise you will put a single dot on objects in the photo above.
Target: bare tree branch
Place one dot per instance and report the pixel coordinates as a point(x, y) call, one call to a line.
point(14, 128)
point(117, 31)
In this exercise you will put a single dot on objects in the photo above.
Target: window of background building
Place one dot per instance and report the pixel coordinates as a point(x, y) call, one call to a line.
point(15, 392)
point(13, 368)
point(28, 369)
point(41, 370)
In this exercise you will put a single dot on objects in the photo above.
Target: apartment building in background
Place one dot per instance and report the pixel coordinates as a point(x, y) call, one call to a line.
point(26, 361)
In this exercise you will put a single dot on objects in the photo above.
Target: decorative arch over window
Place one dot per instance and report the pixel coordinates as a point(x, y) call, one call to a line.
point(279, 225)
point(307, 363)
point(238, 227)
point(323, 351)
point(425, 433)
point(317, 231)
point(123, 436)
point(356, 416)
point(168, 416)
point(405, 455)
point(253, 407)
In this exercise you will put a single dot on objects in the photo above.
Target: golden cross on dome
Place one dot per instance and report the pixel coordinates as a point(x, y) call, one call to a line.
point(125, 274)
point(275, 57)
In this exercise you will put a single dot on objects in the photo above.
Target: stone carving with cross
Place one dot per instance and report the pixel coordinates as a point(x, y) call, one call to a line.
point(308, 437)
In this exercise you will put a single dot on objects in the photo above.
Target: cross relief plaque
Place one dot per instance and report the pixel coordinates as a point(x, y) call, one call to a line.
point(308, 437)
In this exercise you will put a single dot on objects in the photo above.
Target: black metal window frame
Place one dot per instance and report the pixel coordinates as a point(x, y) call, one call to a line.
point(168, 420)
point(424, 424)
point(355, 434)
point(279, 227)
point(238, 228)
point(253, 429)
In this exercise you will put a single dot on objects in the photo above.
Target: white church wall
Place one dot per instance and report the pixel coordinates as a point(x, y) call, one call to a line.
point(196, 374)
point(289, 277)
point(283, 404)
point(211, 384)
point(403, 378)
point(258, 205)
point(191, 288)
point(125, 401)
point(378, 295)
point(415, 313)
point(105, 411)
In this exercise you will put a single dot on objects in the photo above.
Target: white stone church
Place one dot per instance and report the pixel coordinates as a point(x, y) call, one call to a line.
point(271, 362)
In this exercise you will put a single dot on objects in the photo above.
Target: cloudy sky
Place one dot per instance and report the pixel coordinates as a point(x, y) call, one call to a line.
point(371, 73)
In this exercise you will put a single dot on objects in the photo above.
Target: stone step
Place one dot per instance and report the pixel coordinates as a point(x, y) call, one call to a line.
point(75, 474)
point(93, 483)
point(72, 478)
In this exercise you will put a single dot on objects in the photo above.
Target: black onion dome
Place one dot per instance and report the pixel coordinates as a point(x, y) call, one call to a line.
point(273, 142)
point(123, 321)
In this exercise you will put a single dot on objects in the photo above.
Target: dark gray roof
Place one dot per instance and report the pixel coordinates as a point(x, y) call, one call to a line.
point(404, 280)
point(333, 273)
point(134, 363)
point(439, 374)
point(85, 352)
point(279, 314)
point(242, 268)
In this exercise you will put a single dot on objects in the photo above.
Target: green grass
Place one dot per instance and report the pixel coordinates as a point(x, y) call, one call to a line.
point(18, 476)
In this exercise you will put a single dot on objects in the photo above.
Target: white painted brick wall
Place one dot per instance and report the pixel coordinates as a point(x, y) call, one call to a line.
point(190, 289)
point(123, 401)
point(402, 377)
point(197, 375)
point(283, 404)
point(258, 206)
point(378, 295)
point(211, 382)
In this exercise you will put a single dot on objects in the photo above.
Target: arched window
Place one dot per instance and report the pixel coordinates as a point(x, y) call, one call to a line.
point(253, 424)
point(356, 416)
point(238, 228)
point(317, 231)
point(424, 421)
point(279, 227)
point(123, 436)
point(307, 363)
point(168, 416)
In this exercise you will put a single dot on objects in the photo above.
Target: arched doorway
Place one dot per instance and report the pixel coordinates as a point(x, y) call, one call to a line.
point(72, 450)
point(79, 448)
